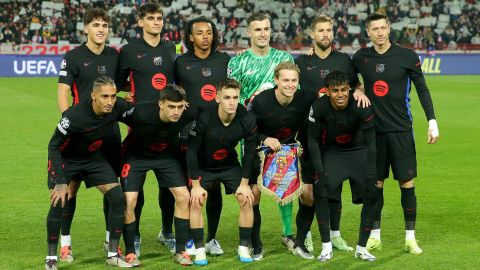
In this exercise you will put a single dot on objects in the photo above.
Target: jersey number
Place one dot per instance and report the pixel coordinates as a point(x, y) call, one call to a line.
point(125, 170)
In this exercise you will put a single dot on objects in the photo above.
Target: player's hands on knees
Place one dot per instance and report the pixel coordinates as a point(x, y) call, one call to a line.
point(273, 143)
point(198, 195)
point(433, 132)
point(247, 195)
point(361, 98)
point(129, 97)
point(58, 193)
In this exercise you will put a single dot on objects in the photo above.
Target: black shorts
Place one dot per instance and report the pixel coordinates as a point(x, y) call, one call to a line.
point(230, 178)
point(95, 171)
point(111, 147)
point(255, 172)
point(340, 166)
point(169, 173)
point(307, 170)
point(396, 149)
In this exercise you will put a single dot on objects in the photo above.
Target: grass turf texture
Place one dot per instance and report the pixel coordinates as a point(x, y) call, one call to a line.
point(447, 194)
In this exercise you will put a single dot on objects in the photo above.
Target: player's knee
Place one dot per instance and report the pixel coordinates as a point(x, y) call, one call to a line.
point(406, 184)
point(116, 198)
point(182, 198)
point(307, 196)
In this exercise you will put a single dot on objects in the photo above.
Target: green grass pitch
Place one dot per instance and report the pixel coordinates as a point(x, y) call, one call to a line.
point(448, 194)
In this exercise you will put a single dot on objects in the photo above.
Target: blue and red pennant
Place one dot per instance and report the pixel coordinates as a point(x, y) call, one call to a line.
point(280, 174)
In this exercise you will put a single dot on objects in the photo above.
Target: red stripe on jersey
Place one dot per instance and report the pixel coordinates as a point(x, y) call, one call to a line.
point(132, 86)
point(76, 99)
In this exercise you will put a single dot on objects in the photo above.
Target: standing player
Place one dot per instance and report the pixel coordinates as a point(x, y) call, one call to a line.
point(73, 154)
point(348, 135)
point(388, 70)
point(280, 113)
point(79, 68)
point(314, 68)
point(212, 158)
point(152, 144)
point(254, 69)
point(199, 71)
point(149, 63)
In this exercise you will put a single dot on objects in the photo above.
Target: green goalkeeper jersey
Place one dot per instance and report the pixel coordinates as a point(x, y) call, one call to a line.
point(255, 72)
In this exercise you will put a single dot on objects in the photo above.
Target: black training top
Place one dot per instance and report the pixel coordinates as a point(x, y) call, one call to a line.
point(150, 137)
point(387, 78)
point(277, 121)
point(212, 145)
point(80, 67)
point(314, 69)
point(150, 68)
point(345, 130)
point(200, 77)
point(79, 135)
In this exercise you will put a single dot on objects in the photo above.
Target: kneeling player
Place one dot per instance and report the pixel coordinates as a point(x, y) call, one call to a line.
point(349, 153)
point(73, 152)
point(152, 144)
point(211, 159)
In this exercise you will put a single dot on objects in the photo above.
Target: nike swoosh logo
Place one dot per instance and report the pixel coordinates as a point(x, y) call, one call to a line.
point(189, 67)
point(141, 55)
point(310, 68)
point(86, 64)
point(249, 72)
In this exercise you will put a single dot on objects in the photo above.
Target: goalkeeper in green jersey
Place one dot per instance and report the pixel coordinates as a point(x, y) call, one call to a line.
point(254, 69)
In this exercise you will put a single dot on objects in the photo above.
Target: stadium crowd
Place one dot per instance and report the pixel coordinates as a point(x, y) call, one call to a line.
point(420, 24)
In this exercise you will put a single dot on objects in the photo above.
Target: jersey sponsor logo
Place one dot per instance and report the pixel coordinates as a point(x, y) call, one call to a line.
point(324, 72)
point(311, 67)
point(208, 92)
point(157, 60)
point(380, 88)
point(101, 70)
point(141, 55)
point(159, 81)
point(206, 71)
point(63, 65)
point(379, 68)
point(158, 147)
point(284, 133)
point(343, 139)
point(95, 145)
point(220, 154)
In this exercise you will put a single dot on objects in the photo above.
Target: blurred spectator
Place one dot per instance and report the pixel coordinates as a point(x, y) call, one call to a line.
point(419, 23)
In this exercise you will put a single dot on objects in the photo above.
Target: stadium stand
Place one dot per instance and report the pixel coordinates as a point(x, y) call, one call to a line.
point(425, 24)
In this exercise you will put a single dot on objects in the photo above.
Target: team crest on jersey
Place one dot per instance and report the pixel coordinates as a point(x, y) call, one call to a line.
point(379, 68)
point(206, 71)
point(63, 64)
point(101, 70)
point(157, 60)
point(324, 72)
